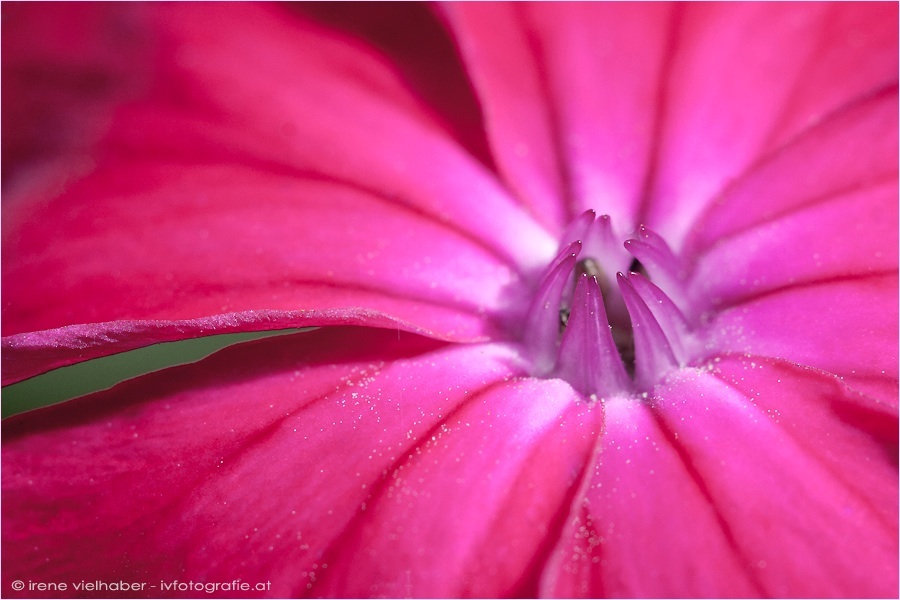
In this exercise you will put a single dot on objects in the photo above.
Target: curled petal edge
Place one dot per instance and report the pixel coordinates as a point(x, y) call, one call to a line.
point(27, 355)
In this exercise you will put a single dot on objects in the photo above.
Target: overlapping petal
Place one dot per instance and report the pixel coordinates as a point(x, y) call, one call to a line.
point(273, 460)
point(746, 79)
point(318, 125)
point(253, 186)
point(523, 446)
point(826, 206)
point(700, 96)
point(570, 122)
point(847, 327)
point(280, 174)
point(846, 152)
point(28, 354)
point(418, 46)
point(164, 243)
point(798, 258)
point(755, 477)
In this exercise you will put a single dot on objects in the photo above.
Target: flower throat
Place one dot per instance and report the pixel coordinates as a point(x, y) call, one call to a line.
point(608, 334)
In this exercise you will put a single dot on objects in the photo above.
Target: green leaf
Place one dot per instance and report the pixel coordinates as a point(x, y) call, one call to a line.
point(77, 380)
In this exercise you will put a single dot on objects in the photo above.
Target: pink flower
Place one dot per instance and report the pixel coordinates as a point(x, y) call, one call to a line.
point(485, 408)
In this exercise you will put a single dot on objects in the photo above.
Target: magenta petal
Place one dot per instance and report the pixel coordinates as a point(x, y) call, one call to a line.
point(159, 253)
point(175, 248)
point(828, 202)
point(312, 103)
point(231, 181)
point(522, 448)
point(64, 70)
point(166, 242)
point(421, 51)
point(844, 65)
point(808, 491)
point(848, 236)
point(230, 469)
point(640, 526)
point(845, 153)
point(570, 124)
point(28, 354)
point(752, 478)
point(846, 327)
point(735, 95)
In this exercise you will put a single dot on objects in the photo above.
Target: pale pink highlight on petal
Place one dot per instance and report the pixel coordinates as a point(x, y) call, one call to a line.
point(792, 478)
point(641, 527)
point(241, 451)
point(847, 327)
point(164, 242)
point(570, 124)
point(846, 152)
point(785, 480)
point(735, 93)
point(521, 448)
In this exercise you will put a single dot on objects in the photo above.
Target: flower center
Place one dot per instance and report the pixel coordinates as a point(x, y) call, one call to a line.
point(600, 318)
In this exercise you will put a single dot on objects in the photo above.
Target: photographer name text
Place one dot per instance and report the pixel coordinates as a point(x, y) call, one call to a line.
point(209, 587)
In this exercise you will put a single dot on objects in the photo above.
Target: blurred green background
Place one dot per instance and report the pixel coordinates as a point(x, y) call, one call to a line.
point(77, 380)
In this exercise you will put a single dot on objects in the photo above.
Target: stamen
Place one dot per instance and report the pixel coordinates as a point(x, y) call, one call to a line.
point(653, 354)
point(671, 320)
point(542, 327)
point(659, 261)
point(588, 357)
point(607, 336)
point(577, 229)
point(605, 246)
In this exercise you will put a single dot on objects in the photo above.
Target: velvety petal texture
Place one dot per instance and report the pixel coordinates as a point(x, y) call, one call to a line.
point(28, 354)
point(172, 227)
point(602, 298)
point(799, 258)
point(845, 189)
point(844, 327)
point(312, 453)
point(740, 479)
point(734, 95)
point(571, 123)
point(700, 97)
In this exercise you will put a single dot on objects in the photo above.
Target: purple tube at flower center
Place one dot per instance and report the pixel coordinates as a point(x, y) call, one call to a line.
point(602, 330)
